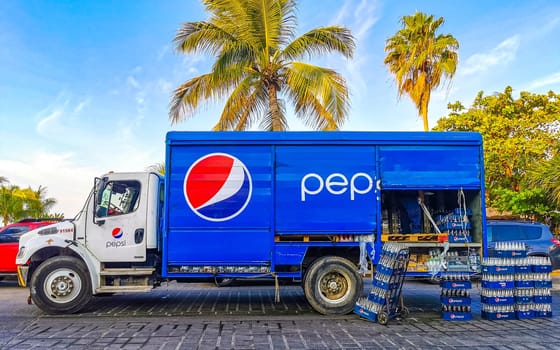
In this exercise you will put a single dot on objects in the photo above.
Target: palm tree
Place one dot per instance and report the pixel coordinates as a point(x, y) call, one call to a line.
point(3, 180)
point(419, 59)
point(546, 176)
point(37, 203)
point(157, 168)
point(17, 203)
point(12, 200)
point(256, 68)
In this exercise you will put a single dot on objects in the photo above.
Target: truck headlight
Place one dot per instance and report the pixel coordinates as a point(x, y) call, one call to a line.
point(48, 231)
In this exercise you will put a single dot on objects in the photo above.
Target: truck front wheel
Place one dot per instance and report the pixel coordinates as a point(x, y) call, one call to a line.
point(332, 285)
point(61, 285)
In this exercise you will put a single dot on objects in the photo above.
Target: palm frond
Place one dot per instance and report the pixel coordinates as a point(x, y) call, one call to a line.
point(321, 41)
point(201, 37)
point(318, 93)
point(241, 105)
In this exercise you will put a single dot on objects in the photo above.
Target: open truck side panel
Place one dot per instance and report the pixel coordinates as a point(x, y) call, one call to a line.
point(308, 206)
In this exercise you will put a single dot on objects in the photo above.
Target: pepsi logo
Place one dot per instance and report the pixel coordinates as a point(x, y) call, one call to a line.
point(117, 232)
point(218, 187)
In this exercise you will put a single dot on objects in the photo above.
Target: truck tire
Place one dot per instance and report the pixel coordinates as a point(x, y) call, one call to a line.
point(332, 285)
point(61, 285)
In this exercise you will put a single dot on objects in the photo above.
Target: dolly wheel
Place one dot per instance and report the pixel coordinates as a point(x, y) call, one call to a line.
point(382, 318)
point(405, 312)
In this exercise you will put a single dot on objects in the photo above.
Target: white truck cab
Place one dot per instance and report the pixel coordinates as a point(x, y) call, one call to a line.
point(111, 246)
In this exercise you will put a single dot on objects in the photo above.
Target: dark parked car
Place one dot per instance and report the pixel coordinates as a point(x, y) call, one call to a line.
point(537, 236)
point(555, 255)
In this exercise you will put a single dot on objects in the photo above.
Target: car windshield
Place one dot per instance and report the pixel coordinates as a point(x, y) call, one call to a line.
point(12, 230)
point(515, 232)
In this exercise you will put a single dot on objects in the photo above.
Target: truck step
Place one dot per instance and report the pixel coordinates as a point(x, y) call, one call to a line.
point(123, 289)
point(136, 271)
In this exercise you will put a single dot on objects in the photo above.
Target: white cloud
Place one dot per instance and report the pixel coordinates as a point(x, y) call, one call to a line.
point(162, 52)
point(359, 17)
point(66, 182)
point(164, 86)
point(81, 105)
point(342, 13)
point(365, 17)
point(131, 81)
point(43, 124)
point(545, 81)
point(502, 54)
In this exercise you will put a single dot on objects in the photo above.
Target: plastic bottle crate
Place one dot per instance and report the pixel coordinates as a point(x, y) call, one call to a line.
point(456, 316)
point(509, 253)
point(495, 300)
point(385, 285)
point(524, 314)
point(454, 226)
point(540, 314)
point(456, 284)
point(381, 300)
point(541, 268)
point(459, 238)
point(365, 313)
point(497, 284)
point(543, 284)
point(498, 269)
point(524, 299)
point(462, 211)
point(524, 284)
point(496, 316)
point(456, 301)
point(542, 299)
point(523, 269)
point(388, 271)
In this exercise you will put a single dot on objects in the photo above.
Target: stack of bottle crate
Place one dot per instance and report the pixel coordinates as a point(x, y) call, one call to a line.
point(514, 285)
point(455, 296)
point(456, 224)
point(384, 301)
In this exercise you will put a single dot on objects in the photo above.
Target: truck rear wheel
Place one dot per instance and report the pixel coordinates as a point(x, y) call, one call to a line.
point(332, 285)
point(61, 285)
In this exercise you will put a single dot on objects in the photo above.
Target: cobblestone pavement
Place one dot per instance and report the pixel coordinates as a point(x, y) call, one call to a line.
point(245, 316)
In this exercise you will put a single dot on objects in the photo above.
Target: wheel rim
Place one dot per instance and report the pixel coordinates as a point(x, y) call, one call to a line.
point(62, 285)
point(334, 287)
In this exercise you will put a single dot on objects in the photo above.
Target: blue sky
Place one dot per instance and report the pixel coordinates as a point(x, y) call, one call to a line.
point(85, 85)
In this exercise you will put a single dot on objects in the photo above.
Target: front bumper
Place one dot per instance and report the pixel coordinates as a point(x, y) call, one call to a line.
point(22, 271)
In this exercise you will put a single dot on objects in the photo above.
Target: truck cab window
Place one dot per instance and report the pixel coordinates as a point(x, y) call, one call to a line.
point(118, 198)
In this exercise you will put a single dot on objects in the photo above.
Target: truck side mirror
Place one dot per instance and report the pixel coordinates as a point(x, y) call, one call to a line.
point(99, 185)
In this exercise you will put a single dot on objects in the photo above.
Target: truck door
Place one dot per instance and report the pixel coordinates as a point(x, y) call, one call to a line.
point(117, 231)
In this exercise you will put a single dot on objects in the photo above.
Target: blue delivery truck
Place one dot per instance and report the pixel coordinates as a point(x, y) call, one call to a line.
point(314, 207)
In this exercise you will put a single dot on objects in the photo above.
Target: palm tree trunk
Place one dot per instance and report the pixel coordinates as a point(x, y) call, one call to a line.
point(424, 110)
point(274, 109)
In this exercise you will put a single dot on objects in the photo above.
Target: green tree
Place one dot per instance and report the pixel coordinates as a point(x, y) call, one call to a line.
point(419, 58)
point(257, 67)
point(17, 203)
point(521, 148)
point(546, 177)
point(39, 205)
point(12, 203)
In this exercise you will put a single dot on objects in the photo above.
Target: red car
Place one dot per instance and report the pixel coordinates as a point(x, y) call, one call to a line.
point(9, 238)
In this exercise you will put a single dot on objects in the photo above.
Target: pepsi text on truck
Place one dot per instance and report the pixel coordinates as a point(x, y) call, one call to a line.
point(306, 206)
